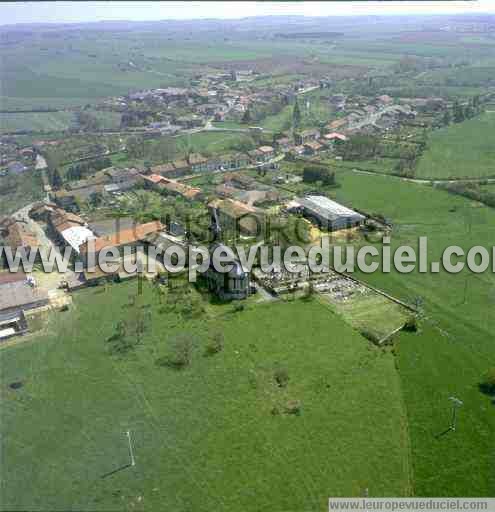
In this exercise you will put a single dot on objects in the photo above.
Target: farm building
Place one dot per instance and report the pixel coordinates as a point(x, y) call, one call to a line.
point(69, 229)
point(17, 295)
point(124, 238)
point(327, 213)
point(12, 324)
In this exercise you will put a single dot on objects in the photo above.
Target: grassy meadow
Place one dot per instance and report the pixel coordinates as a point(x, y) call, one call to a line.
point(18, 190)
point(36, 122)
point(455, 347)
point(465, 150)
point(211, 436)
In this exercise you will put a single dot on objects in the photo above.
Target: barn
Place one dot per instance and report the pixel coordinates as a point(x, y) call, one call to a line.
point(326, 213)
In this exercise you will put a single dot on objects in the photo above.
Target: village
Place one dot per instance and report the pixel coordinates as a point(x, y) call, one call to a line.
point(216, 197)
point(246, 255)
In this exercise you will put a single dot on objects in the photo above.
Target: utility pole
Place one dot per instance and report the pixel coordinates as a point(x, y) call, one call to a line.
point(456, 404)
point(131, 454)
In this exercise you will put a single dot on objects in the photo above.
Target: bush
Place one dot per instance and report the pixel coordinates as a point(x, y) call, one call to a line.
point(371, 336)
point(487, 386)
point(281, 377)
point(318, 173)
point(238, 307)
point(411, 324)
point(215, 345)
point(293, 407)
point(180, 353)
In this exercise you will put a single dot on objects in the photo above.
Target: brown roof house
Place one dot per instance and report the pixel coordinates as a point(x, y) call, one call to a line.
point(166, 185)
point(307, 136)
point(126, 238)
point(237, 217)
point(18, 235)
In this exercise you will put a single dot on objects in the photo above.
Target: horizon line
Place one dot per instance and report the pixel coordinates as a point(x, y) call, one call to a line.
point(207, 18)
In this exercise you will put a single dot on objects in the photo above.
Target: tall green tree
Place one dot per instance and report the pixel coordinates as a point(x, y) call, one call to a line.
point(458, 112)
point(247, 118)
point(447, 118)
point(55, 178)
point(296, 115)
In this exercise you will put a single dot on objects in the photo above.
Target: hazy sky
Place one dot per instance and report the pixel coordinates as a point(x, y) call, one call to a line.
point(54, 12)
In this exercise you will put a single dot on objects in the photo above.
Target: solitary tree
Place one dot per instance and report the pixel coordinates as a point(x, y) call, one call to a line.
point(488, 384)
point(447, 118)
point(458, 112)
point(246, 118)
point(55, 178)
point(296, 115)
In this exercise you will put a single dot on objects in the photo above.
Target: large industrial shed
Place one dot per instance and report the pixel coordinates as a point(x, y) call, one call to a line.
point(327, 213)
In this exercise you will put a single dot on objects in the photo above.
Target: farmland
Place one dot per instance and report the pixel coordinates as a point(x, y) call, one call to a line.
point(466, 150)
point(325, 386)
point(456, 344)
point(16, 190)
point(203, 435)
point(37, 122)
point(75, 67)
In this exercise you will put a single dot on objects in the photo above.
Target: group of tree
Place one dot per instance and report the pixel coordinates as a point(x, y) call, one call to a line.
point(471, 191)
point(359, 147)
point(54, 178)
point(87, 122)
point(462, 112)
point(135, 118)
point(78, 171)
point(256, 112)
point(313, 173)
point(129, 332)
point(136, 147)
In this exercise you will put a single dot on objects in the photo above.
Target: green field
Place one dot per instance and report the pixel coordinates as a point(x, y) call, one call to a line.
point(18, 191)
point(462, 150)
point(212, 142)
point(205, 437)
point(455, 347)
point(36, 122)
point(372, 314)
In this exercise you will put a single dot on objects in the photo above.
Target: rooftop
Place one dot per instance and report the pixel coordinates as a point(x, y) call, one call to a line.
point(20, 294)
point(327, 208)
point(124, 237)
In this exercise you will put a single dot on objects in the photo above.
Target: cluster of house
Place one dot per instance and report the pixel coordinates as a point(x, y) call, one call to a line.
point(310, 142)
point(197, 163)
point(15, 158)
point(219, 97)
point(359, 114)
point(114, 181)
point(109, 181)
point(171, 186)
point(246, 189)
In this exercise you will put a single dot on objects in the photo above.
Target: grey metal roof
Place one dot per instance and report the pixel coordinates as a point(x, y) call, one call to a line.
point(20, 294)
point(328, 209)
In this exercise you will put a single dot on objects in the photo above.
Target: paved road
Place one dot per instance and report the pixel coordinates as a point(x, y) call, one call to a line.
point(46, 281)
